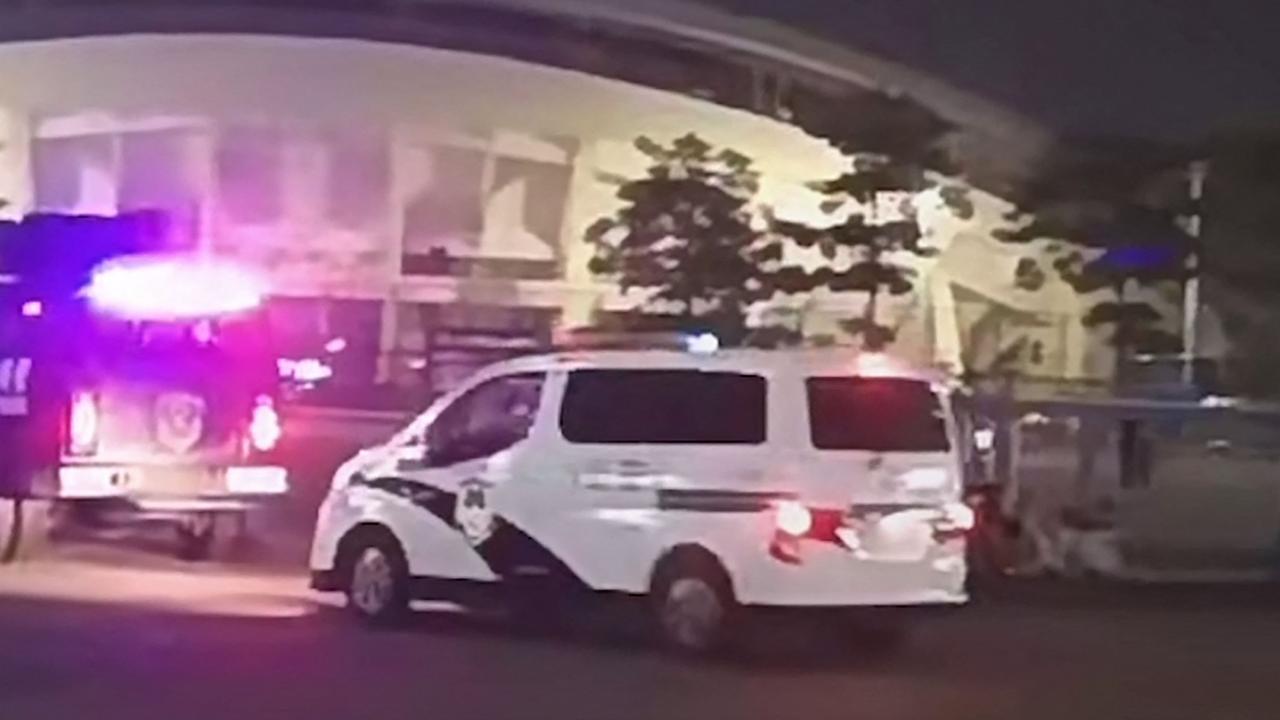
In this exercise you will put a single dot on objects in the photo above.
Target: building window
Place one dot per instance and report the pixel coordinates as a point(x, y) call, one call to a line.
point(359, 174)
point(439, 346)
point(250, 167)
point(542, 192)
point(75, 174)
point(491, 209)
point(155, 174)
point(447, 213)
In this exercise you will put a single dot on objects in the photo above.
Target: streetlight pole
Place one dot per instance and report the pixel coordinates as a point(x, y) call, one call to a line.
point(1199, 171)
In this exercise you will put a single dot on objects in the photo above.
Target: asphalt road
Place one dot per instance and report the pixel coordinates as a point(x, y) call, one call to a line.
point(104, 632)
point(112, 627)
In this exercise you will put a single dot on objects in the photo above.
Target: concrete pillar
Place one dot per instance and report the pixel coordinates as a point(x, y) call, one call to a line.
point(1075, 345)
point(17, 179)
point(948, 343)
point(581, 208)
point(406, 178)
point(202, 159)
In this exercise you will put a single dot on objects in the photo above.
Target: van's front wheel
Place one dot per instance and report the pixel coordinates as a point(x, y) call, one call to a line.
point(378, 582)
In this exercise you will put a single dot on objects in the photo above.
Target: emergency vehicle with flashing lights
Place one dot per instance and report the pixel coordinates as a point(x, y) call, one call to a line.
point(151, 390)
point(708, 482)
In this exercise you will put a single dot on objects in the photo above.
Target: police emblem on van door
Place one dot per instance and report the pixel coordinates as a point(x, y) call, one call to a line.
point(472, 513)
point(179, 419)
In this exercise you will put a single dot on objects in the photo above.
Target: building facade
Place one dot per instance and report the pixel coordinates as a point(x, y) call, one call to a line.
point(427, 207)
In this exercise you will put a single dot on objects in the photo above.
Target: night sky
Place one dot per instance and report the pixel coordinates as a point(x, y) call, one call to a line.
point(1167, 68)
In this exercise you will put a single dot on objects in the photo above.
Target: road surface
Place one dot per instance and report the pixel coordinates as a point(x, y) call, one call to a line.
point(103, 632)
point(113, 627)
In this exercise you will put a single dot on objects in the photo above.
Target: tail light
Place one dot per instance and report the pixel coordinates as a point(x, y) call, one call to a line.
point(264, 425)
point(794, 522)
point(793, 518)
point(83, 425)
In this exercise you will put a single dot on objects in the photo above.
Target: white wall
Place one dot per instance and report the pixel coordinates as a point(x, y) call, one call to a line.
point(409, 93)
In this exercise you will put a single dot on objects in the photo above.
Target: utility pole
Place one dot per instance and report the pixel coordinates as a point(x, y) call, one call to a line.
point(1199, 171)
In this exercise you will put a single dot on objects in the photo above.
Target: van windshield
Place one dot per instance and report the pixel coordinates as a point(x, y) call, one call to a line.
point(877, 414)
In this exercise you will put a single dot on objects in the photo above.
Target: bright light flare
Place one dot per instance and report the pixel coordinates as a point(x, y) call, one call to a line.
point(874, 364)
point(264, 426)
point(984, 439)
point(268, 480)
point(32, 309)
point(793, 518)
point(960, 516)
point(702, 343)
point(84, 423)
point(159, 287)
point(925, 479)
point(305, 370)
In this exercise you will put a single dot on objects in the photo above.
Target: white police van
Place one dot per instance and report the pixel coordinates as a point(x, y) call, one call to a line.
point(709, 483)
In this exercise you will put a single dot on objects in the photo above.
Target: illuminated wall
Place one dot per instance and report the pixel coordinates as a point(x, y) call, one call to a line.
point(403, 177)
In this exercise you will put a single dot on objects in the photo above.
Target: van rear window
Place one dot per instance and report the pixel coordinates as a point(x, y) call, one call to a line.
point(677, 407)
point(878, 414)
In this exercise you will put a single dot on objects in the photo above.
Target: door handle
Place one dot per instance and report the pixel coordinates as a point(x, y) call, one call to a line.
point(631, 467)
point(620, 475)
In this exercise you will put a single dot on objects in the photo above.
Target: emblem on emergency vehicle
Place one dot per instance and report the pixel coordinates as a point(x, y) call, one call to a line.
point(179, 421)
point(472, 512)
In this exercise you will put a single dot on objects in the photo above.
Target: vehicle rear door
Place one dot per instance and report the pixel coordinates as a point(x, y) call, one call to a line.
point(887, 444)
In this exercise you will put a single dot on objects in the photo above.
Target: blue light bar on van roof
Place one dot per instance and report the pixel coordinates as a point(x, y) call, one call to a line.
point(155, 287)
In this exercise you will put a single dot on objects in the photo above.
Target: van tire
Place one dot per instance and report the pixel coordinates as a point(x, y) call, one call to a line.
point(694, 608)
point(376, 577)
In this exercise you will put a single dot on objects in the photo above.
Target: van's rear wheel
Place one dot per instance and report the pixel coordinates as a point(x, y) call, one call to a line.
point(25, 527)
point(693, 603)
point(377, 581)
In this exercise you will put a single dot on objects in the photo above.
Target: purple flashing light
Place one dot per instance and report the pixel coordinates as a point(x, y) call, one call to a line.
point(163, 287)
point(32, 309)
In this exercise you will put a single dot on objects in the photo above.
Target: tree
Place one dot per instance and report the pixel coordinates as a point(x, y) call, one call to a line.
point(1112, 215)
point(896, 149)
point(689, 234)
point(688, 238)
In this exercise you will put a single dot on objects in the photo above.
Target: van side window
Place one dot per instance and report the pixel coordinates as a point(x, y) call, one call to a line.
point(875, 413)
point(485, 420)
point(678, 407)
